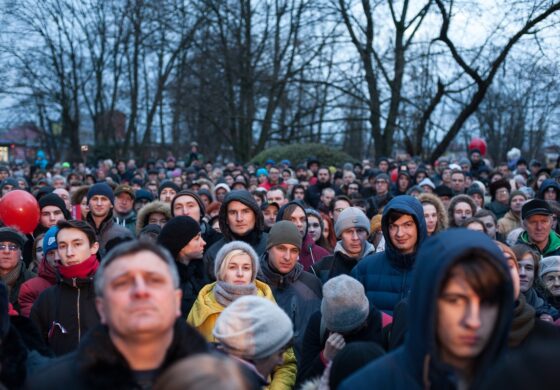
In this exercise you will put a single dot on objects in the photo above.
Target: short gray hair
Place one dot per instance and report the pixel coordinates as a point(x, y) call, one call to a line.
point(131, 248)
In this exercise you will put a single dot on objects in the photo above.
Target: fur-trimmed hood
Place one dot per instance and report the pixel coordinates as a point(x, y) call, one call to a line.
point(153, 207)
point(434, 200)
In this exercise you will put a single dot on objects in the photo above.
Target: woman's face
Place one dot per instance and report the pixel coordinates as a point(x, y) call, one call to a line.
point(526, 272)
point(326, 230)
point(430, 214)
point(314, 227)
point(239, 270)
point(540, 180)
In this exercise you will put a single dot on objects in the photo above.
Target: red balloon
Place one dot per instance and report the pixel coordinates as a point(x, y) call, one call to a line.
point(20, 209)
point(480, 144)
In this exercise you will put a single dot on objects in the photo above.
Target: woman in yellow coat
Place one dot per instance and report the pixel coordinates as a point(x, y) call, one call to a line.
point(236, 268)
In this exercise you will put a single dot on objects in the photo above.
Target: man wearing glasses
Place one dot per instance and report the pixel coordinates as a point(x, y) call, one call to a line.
point(12, 268)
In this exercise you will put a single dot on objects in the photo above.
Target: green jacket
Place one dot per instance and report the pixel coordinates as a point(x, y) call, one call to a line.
point(552, 248)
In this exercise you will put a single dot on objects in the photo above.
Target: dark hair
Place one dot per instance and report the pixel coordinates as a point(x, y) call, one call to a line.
point(294, 188)
point(481, 273)
point(486, 213)
point(470, 220)
point(337, 198)
point(278, 188)
point(83, 226)
point(393, 216)
point(289, 210)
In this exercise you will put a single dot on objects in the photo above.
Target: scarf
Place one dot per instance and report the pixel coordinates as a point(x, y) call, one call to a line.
point(226, 293)
point(523, 322)
point(11, 277)
point(81, 271)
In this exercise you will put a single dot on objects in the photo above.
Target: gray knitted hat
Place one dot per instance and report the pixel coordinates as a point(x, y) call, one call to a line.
point(283, 232)
point(223, 253)
point(344, 306)
point(549, 264)
point(352, 217)
point(253, 328)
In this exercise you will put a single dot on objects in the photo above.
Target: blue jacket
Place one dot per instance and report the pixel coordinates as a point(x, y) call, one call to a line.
point(415, 365)
point(387, 276)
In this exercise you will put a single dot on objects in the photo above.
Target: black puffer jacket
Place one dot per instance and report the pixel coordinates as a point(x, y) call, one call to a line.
point(191, 280)
point(65, 312)
point(97, 364)
point(298, 293)
point(256, 238)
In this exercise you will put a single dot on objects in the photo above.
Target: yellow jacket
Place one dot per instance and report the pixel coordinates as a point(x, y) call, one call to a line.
point(204, 314)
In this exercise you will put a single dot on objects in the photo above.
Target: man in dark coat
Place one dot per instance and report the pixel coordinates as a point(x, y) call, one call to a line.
point(182, 237)
point(297, 292)
point(387, 276)
point(240, 219)
point(352, 229)
point(460, 316)
point(141, 332)
point(313, 193)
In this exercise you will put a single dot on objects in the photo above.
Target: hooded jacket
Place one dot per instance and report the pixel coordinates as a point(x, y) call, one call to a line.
point(30, 290)
point(387, 276)
point(310, 253)
point(128, 221)
point(256, 238)
point(298, 293)
point(152, 207)
point(549, 183)
point(416, 364)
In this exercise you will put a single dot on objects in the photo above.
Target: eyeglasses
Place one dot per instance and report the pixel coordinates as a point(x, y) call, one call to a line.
point(314, 225)
point(10, 247)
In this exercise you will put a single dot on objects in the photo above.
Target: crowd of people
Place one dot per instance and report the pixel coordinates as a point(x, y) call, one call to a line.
point(393, 274)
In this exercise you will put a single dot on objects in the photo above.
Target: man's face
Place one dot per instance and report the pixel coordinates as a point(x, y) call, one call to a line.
point(139, 300)
point(273, 175)
point(299, 194)
point(283, 257)
point(461, 212)
point(323, 176)
point(65, 196)
point(552, 282)
point(327, 196)
point(186, 205)
point(347, 177)
point(381, 186)
point(478, 199)
point(404, 234)
point(353, 188)
point(526, 272)
point(299, 219)
point(353, 241)
point(412, 167)
point(220, 194)
point(488, 221)
point(7, 188)
point(383, 166)
point(270, 214)
point(99, 206)
point(157, 219)
point(241, 218)
point(458, 182)
point(276, 196)
point(10, 254)
point(403, 182)
point(123, 203)
point(50, 215)
point(446, 175)
point(74, 247)
point(167, 194)
point(502, 195)
point(550, 194)
point(475, 157)
point(339, 207)
point(538, 228)
point(194, 249)
point(464, 323)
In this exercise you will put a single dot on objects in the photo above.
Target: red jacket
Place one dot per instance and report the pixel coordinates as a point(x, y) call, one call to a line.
point(311, 253)
point(31, 289)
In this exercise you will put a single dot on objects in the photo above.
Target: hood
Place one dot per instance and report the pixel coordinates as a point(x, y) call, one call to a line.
point(549, 183)
point(408, 205)
point(153, 207)
point(246, 198)
point(280, 215)
point(435, 258)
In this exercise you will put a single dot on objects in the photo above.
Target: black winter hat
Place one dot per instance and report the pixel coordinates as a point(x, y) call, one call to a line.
point(54, 200)
point(142, 194)
point(102, 189)
point(193, 195)
point(12, 235)
point(177, 233)
point(168, 184)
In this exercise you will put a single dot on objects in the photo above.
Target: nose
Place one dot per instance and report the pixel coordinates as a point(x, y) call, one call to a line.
point(472, 315)
point(139, 288)
point(522, 271)
point(239, 271)
point(238, 217)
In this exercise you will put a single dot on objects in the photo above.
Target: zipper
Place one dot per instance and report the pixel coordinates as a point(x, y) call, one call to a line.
point(78, 310)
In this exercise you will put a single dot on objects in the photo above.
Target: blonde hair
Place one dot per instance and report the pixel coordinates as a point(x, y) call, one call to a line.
point(231, 250)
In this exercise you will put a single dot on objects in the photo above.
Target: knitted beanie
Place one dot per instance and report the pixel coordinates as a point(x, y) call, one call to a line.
point(223, 257)
point(283, 232)
point(344, 306)
point(142, 194)
point(193, 195)
point(9, 234)
point(549, 264)
point(101, 189)
point(168, 184)
point(177, 233)
point(517, 193)
point(253, 328)
point(54, 200)
point(352, 217)
point(49, 240)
